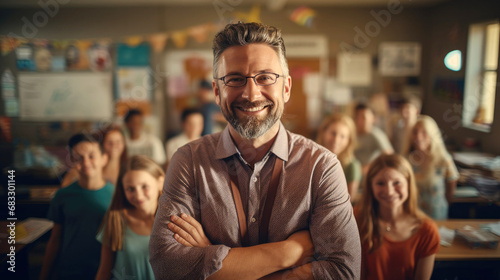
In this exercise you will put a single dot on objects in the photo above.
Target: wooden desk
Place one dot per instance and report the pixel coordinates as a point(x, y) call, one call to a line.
point(22, 251)
point(459, 250)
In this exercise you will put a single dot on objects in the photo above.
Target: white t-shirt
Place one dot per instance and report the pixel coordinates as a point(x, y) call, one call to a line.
point(175, 143)
point(371, 145)
point(147, 145)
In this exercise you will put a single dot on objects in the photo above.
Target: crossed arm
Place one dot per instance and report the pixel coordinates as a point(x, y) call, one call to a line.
point(266, 260)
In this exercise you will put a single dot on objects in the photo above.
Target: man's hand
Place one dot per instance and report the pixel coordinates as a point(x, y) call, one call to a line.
point(300, 248)
point(188, 232)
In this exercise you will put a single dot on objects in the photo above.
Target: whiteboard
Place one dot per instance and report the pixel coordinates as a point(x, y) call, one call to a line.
point(65, 96)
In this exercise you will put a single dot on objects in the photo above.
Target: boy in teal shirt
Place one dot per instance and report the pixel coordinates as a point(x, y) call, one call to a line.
point(77, 212)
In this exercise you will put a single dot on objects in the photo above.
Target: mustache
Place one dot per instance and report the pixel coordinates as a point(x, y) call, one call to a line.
point(246, 104)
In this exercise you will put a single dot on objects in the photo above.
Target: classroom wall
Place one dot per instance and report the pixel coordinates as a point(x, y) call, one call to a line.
point(428, 26)
point(449, 23)
point(338, 24)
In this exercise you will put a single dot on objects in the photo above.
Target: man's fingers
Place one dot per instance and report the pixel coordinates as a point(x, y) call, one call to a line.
point(185, 225)
point(193, 222)
point(181, 240)
point(182, 233)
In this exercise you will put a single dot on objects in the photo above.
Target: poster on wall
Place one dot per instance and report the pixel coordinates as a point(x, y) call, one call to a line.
point(186, 69)
point(24, 58)
point(77, 55)
point(133, 83)
point(132, 55)
point(354, 69)
point(99, 57)
point(399, 58)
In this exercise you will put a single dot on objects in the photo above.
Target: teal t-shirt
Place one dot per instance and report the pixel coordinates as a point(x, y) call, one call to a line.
point(80, 212)
point(353, 171)
point(132, 261)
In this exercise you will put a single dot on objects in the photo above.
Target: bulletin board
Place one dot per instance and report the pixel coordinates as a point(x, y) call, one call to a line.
point(66, 96)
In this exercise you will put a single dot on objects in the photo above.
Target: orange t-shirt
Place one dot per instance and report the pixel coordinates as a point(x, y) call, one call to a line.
point(398, 260)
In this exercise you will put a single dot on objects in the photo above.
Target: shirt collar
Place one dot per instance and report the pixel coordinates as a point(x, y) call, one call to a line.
point(226, 147)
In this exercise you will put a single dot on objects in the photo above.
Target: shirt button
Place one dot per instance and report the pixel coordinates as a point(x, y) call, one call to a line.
point(253, 220)
point(255, 179)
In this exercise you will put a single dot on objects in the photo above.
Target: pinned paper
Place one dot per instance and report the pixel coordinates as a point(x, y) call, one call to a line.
point(43, 59)
point(100, 59)
point(354, 69)
point(336, 93)
point(312, 84)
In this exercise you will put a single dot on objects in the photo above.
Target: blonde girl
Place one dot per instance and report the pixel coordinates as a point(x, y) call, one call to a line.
point(128, 223)
point(434, 169)
point(338, 134)
point(398, 240)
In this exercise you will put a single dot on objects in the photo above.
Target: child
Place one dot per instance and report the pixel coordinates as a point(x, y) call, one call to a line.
point(398, 240)
point(372, 141)
point(77, 211)
point(409, 111)
point(434, 169)
point(192, 127)
point(338, 134)
point(140, 142)
point(129, 221)
point(113, 143)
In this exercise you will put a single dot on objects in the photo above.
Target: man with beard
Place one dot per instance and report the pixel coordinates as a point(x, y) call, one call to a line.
point(254, 200)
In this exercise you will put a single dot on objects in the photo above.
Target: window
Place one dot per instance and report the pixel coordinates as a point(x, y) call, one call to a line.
point(481, 75)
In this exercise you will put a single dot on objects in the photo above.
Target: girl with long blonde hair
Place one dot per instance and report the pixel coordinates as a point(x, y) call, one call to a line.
point(338, 134)
point(435, 172)
point(128, 223)
point(398, 240)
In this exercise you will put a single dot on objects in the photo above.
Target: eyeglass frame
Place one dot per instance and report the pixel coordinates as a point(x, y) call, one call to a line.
point(246, 79)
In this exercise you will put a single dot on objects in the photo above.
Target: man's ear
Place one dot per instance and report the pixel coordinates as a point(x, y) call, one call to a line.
point(287, 89)
point(216, 91)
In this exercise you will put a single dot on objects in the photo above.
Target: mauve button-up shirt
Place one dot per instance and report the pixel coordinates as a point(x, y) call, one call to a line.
point(312, 194)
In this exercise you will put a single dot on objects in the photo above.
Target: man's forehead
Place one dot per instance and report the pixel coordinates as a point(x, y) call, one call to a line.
point(258, 55)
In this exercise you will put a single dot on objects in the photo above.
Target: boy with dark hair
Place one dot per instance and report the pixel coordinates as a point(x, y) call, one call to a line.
point(372, 141)
point(192, 127)
point(77, 211)
point(140, 142)
point(409, 112)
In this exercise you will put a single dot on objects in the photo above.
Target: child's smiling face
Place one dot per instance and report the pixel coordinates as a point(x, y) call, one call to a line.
point(88, 160)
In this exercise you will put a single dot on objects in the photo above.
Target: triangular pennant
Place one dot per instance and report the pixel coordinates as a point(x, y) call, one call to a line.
point(252, 16)
point(200, 32)
point(180, 39)
point(134, 40)
point(158, 41)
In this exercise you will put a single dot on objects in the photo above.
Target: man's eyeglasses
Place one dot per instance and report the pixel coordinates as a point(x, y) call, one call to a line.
point(262, 79)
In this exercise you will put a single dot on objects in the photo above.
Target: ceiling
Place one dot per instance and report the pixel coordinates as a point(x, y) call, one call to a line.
point(272, 5)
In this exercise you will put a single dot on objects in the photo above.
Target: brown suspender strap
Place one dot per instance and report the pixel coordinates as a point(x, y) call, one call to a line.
point(242, 218)
point(266, 215)
point(268, 207)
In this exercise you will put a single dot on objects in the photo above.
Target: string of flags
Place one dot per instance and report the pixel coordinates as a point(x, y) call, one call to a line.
point(158, 41)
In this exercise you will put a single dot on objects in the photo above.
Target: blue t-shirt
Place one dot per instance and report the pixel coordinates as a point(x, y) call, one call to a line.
point(80, 212)
point(132, 261)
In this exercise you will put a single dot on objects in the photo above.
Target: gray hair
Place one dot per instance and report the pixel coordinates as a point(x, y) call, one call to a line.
point(242, 34)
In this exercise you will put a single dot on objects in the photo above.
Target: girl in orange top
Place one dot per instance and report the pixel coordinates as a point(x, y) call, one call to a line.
point(398, 240)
